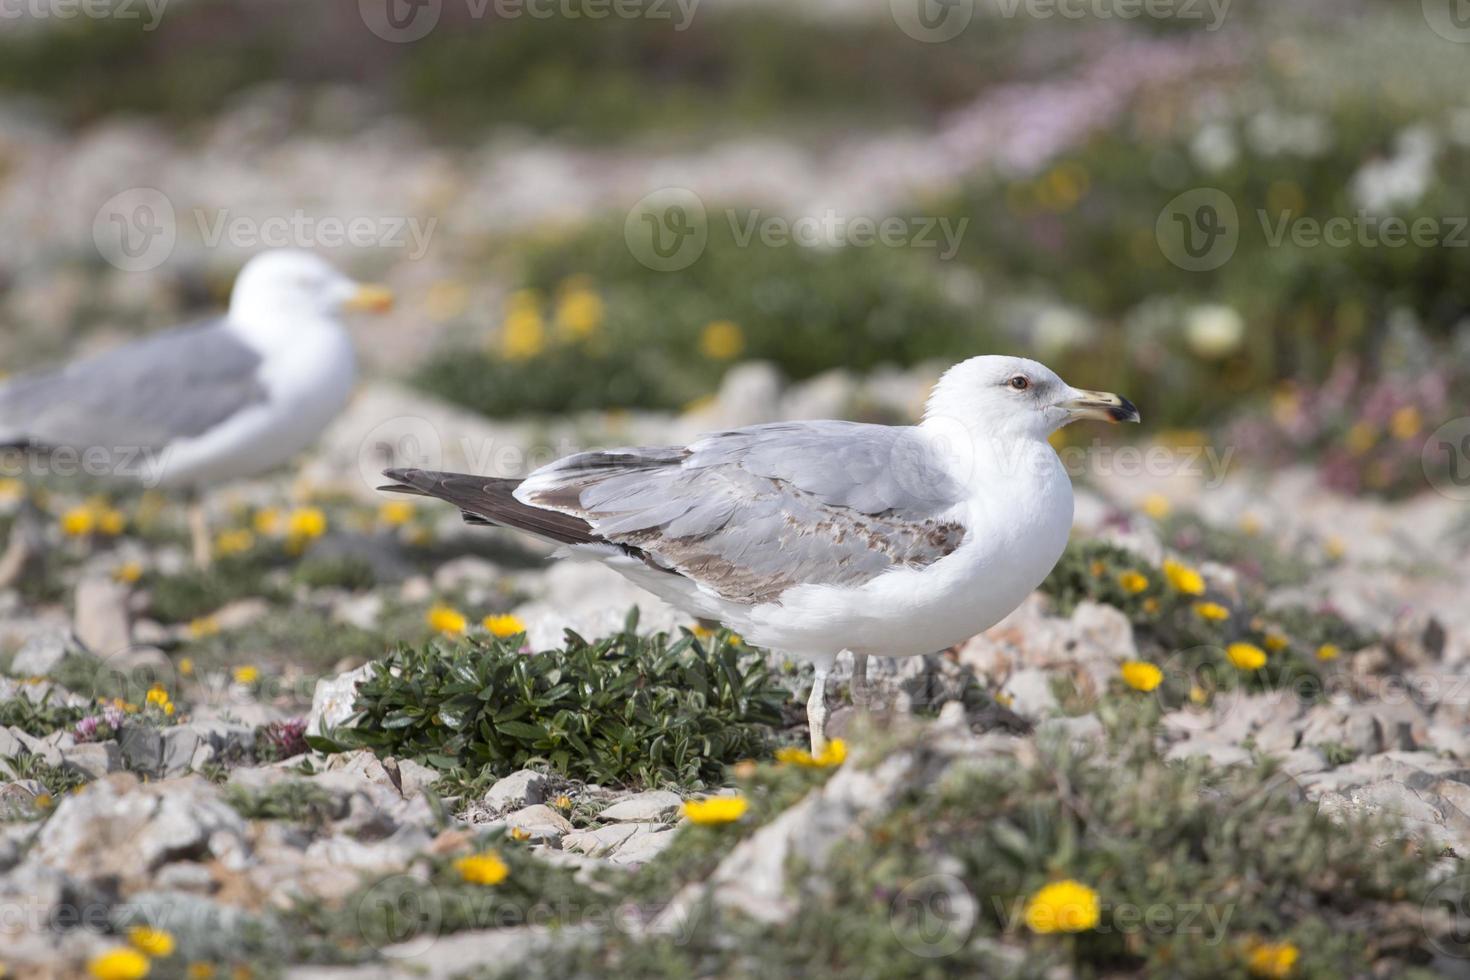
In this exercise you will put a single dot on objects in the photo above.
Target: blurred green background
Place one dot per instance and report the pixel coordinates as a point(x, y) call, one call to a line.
point(1058, 146)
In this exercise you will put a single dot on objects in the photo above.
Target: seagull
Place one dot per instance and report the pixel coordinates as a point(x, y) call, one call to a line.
point(812, 538)
point(191, 407)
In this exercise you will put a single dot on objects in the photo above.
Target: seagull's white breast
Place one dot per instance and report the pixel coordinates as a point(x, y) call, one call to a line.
point(308, 378)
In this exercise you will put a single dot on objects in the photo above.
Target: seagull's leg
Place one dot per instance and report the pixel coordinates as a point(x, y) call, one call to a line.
point(861, 693)
point(199, 533)
point(816, 711)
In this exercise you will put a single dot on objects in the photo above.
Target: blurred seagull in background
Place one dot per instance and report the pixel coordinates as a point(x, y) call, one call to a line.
point(191, 407)
point(816, 537)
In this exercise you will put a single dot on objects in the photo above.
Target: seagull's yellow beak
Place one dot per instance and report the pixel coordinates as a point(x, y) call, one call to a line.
point(370, 298)
point(1102, 405)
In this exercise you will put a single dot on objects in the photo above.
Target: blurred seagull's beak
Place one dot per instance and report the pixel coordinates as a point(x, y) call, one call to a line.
point(1102, 405)
point(370, 299)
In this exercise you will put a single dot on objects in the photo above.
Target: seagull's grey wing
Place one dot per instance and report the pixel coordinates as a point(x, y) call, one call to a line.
point(753, 512)
point(147, 394)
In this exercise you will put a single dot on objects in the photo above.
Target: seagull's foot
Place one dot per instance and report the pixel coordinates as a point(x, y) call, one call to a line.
point(816, 712)
point(199, 537)
point(859, 688)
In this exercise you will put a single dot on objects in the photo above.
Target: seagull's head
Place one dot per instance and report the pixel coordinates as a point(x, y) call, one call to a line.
point(296, 284)
point(1018, 397)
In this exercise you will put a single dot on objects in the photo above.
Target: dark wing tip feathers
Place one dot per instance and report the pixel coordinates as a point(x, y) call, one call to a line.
point(490, 500)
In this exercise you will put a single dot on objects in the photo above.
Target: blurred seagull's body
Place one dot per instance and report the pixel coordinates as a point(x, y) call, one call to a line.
point(215, 401)
point(818, 537)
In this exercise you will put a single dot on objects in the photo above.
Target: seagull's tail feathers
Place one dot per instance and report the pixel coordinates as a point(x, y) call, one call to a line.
point(491, 500)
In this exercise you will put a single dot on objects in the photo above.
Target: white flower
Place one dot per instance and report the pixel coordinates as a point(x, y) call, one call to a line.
point(1213, 331)
point(1214, 147)
point(1380, 186)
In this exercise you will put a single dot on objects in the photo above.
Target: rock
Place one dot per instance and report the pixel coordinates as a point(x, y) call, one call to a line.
point(241, 613)
point(362, 611)
point(591, 599)
point(540, 822)
point(467, 570)
point(414, 778)
point(1031, 692)
point(1356, 728)
point(641, 848)
point(119, 827)
point(752, 877)
point(655, 805)
point(601, 841)
point(333, 698)
point(95, 759)
point(101, 621)
point(1219, 753)
point(41, 654)
point(516, 790)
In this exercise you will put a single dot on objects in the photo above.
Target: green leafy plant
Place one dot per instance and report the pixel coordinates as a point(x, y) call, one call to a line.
point(38, 718)
point(626, 709)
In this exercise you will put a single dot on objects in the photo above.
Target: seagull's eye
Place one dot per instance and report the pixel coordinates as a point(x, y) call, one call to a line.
point(1019, 383)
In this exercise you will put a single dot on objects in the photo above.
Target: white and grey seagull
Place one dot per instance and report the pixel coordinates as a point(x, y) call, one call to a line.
point(218, 400)
point(816, 537)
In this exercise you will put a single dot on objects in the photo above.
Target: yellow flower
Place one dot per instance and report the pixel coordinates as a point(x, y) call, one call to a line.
point(1134, 582)
point(246, 674)
point(1250, 525)
point(1198, 694)
point(1276, 642)
point(154, 942)
point(1335, 547)
point(1274, 961)
point(1063, 906)
point(702, 631)
point(186, 666)
point(1360, 438)
point(1097, 568)
point(128, 572)
point(1405, 423)
point(267, 521)
point(1212, 611)
point(579, 312)
point(506, 625)
point(110, 522)
point(721, 340)
point(833, 755)
point(157, 695)
point(1141, 676)
point(1328, 651)
point(43, 801)
point(716, 809)
point(519, 833)
point(11, 490)
point(395, 513)
point(203, 626)
point(1157, 506)
point(234, 542)
point(522, 335)
point(1245, 656)
point(78, 522)
point(1151, 606)
point(1003, 699)
point(562, 802)
point(1183, 578)
point(200, 970)
point(119, 963)
point(485, 868)
point(443, 619)
point(306, 523)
